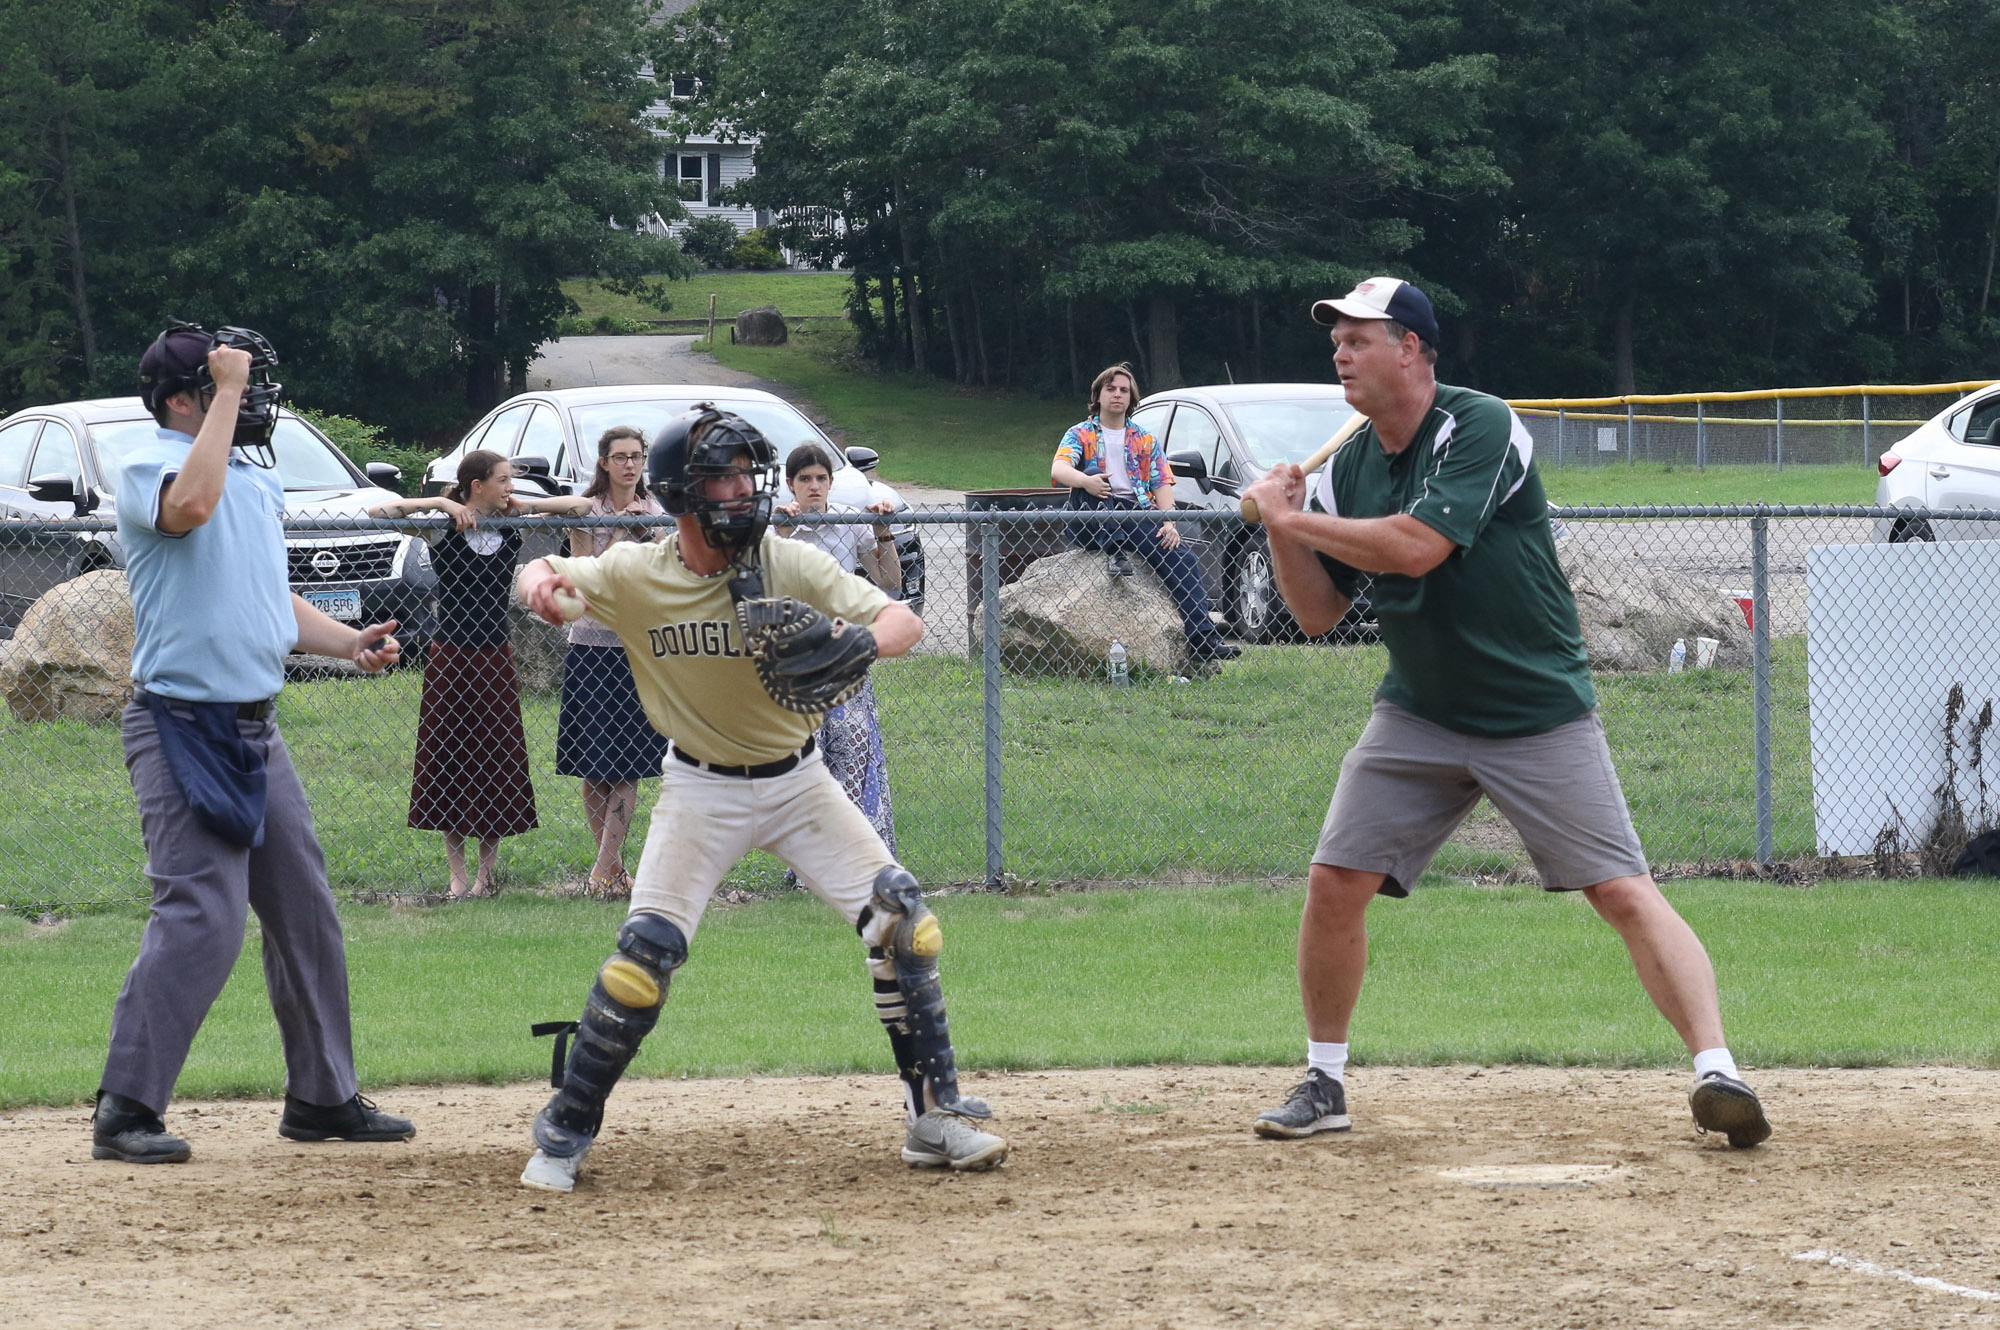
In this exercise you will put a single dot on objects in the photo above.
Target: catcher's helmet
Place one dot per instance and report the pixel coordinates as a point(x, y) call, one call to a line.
point(177, 361)
point(705, 443)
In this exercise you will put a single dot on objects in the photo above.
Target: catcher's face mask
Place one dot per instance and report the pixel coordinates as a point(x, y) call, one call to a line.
point(719, 467)
point(177, 361)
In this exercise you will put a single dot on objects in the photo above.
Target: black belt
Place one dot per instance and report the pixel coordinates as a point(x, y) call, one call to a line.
point(244, 710)
point(758, 772)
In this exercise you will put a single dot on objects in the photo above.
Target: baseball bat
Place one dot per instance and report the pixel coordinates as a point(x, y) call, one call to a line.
point(1348, 429)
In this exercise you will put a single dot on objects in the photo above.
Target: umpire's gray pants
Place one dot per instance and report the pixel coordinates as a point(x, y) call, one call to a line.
point(203, 887)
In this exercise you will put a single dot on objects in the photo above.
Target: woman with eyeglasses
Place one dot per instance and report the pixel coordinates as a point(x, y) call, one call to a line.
point(603, 736)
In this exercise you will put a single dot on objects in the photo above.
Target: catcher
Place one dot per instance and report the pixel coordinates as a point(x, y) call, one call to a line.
point(740, 641)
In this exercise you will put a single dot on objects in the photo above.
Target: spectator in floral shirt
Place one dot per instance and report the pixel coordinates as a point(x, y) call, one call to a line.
point(1107, 463)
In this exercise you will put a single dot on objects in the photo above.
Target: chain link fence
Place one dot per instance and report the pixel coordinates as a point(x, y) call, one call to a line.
point(1018, 748)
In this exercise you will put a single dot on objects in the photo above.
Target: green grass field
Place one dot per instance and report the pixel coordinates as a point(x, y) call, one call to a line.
point(1237, 794)
point(927, 431)
point(1844, 974)
point(808, 293)
point(1666, 484)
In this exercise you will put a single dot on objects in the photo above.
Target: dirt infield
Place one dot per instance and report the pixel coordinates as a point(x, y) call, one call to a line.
point(1516, 1197)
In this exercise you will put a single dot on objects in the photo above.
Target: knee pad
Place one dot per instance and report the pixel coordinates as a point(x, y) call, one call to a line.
point(623, 1006)
point(905, 942)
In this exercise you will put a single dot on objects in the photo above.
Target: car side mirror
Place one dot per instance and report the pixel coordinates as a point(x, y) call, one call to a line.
point(1189, 466)
point(383, 475)
point(863, 459)
point(536, 469)
point(63, 489)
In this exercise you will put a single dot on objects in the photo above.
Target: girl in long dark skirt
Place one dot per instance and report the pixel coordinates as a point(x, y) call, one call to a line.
point(471, 770)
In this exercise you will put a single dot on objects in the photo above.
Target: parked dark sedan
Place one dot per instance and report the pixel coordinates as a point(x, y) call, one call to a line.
point(64, 461)
point(1220, 440)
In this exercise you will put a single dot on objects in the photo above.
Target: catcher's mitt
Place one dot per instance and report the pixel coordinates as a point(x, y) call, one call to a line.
point(808, 663)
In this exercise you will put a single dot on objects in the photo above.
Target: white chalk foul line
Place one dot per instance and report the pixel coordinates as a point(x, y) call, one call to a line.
point(1861, 1267)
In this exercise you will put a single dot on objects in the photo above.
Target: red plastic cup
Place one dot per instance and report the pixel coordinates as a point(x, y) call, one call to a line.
point(1746, 603)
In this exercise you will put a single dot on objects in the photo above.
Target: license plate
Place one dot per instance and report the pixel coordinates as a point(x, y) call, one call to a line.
point(336, 604)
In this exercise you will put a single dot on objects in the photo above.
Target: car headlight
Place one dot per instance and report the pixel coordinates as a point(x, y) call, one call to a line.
point(412, 552)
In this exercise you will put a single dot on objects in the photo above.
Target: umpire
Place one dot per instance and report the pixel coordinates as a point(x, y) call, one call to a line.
point(201, 518)
point(1488, 692)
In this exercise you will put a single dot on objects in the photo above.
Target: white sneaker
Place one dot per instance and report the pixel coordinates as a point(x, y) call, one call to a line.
point(547, 1172)
point(945, 1140)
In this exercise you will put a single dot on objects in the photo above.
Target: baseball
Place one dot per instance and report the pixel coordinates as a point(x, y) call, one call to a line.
point(569, 605)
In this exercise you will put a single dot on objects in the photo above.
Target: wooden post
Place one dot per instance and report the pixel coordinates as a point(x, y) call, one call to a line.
point(711, 320)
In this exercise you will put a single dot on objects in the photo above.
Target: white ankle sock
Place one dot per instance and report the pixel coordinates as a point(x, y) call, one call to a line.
point(1329, 1058)
point(1715, 1059)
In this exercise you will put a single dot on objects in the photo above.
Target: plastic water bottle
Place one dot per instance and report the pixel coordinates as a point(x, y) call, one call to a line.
point(1677, 658)
point(1115, 668)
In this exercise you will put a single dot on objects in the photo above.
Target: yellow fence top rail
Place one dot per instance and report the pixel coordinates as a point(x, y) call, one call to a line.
point(1754, 395)
point(1642, 418)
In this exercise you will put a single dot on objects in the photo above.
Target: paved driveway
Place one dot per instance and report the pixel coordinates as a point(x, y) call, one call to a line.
point(586, 362)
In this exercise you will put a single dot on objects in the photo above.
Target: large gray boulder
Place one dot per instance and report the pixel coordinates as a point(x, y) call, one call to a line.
point(1632, 614)
point(1060, 617)
point(762, 326)
point(71, 655)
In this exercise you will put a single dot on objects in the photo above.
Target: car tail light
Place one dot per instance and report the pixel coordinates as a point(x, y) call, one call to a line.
point(1887, 462)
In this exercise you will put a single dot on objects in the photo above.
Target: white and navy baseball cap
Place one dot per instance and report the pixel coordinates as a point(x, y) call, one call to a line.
point(1383, 298)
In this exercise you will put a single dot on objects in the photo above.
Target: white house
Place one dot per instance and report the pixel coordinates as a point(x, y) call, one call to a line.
point(704, 164)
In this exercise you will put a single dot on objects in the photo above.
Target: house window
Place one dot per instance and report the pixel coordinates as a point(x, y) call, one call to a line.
point(680, 86)
point(691, 169)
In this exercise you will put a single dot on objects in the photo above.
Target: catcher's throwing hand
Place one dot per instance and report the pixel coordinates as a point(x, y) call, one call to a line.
point(807, 662)
point(541, 594)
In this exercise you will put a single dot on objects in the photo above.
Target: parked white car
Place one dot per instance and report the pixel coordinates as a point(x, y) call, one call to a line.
point(1952, 460)
point(551, 438)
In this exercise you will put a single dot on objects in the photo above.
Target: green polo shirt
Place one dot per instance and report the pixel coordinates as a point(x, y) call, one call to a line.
point(1487, 643)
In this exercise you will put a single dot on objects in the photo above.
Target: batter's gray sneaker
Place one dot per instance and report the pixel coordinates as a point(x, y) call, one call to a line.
point(945, 1140)
point(1317, 1103)
point(1725, 1104)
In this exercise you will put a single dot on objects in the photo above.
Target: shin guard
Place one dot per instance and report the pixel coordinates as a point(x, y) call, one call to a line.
point(623, 1007)
point(905, 942)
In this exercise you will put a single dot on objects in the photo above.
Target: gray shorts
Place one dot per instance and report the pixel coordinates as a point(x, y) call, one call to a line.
point(1407, 784)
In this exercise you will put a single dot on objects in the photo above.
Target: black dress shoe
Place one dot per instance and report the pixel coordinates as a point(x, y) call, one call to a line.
point(1117, 565)
point(356, 1120)
point(126, 1130)
point(1214, 648)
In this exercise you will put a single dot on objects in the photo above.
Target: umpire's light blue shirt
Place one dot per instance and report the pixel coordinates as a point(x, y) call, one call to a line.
point(213, 606)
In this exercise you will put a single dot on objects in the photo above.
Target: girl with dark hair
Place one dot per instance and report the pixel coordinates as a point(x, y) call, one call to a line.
point(850, 738)
point(471, 770)
point(603, 737)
